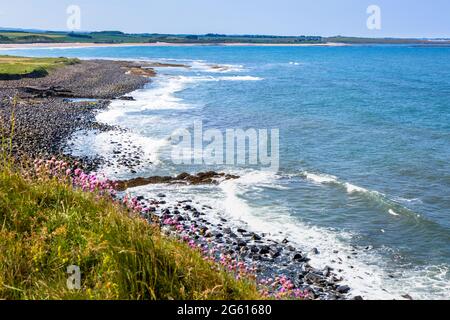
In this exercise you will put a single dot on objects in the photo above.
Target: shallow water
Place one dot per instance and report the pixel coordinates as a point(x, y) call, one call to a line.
point(364, 149)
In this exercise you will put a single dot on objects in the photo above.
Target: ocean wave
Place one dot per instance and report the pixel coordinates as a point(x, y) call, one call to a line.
point(391, 205)
point(392, 212)
point(320, 178)
point(202, 66)
point(351, 188)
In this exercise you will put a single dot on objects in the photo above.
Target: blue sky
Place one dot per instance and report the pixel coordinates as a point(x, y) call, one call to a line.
point(400, 18)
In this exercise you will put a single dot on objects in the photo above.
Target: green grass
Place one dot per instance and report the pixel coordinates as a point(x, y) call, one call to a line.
point(46, 225)
point(11, 66)
point(19, 35)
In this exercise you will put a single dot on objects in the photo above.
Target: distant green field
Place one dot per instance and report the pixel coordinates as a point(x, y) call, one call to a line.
point(11, 67)
point(110, 37)
point(27, 34)
point(120, 37)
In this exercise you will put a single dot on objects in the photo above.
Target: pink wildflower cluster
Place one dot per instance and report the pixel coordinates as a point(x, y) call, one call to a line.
point(133, 204)
point(52, 168)
point(237, 267)
point(281, 288)
point(64, 171)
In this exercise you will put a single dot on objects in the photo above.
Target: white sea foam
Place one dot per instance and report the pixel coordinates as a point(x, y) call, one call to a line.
point(351, 188)
point(161, 95)
point(392, 212)
point(320, 178)
point(202, 66)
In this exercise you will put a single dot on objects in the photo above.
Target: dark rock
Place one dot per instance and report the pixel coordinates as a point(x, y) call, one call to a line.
point(241, 243)
point(254, 249)
point(300, 258)
point(327, 271)
point(264, 250)
point(256, 237)
point(275, 254)
point(343, 289)
point(313, 278)
point(210, 177)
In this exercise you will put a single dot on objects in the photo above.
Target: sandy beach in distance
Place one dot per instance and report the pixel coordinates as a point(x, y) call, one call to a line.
point(8, 46)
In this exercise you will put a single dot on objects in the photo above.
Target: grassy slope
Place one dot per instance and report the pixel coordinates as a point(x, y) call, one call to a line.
point(10, 65)
point(46, 226)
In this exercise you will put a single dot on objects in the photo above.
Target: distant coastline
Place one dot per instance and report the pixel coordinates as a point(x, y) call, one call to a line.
point(11, 38)
point(65, 45)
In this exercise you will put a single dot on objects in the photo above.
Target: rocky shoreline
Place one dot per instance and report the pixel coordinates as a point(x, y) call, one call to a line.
point(48, 111)
point(195, 223)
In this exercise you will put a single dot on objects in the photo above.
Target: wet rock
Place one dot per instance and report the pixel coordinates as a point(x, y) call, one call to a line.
point(343, 289)
point(264, 250)
point(327, 271)
point(300, 258)
point(313, 278)
point(210, 177)
point(256, 237)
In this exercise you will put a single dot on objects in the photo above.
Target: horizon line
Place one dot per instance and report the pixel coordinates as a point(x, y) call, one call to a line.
point(21, 29)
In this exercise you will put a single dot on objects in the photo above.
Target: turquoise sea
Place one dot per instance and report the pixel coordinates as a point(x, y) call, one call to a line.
point(364, 149)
